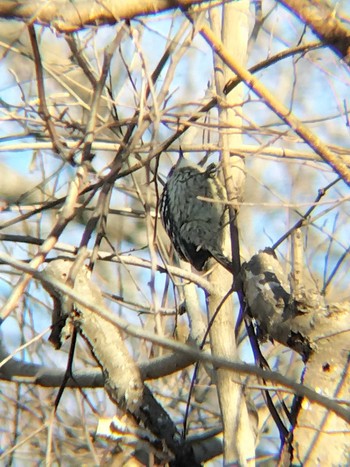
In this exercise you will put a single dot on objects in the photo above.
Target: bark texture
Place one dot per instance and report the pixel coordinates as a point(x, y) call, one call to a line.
point(319, 331)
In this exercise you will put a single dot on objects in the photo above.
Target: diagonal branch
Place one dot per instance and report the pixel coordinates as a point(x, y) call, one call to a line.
point(340, 167)
point(132, 330)
point(321, 18)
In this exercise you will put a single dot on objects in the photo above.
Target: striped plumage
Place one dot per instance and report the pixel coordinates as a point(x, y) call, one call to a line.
point(196, 227)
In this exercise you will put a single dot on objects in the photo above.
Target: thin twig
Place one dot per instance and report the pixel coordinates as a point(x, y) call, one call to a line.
point(44, 113)
point(66, 215)
point(241, 368)
point(340, 167)
point(304, 217)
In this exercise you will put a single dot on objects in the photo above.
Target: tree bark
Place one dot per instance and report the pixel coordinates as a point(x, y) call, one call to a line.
point(319, 16)
point(69, 16)
point(239, 439)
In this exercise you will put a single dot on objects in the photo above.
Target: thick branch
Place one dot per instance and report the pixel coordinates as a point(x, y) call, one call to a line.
point(298, 322)
point(320, 17)
point(122, 377)
point(239, 441)
point(70, 16)
point(298, 317)
point(238, 367)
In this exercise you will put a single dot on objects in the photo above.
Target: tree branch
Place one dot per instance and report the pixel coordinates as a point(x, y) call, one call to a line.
point(276, 106)
point(69, 16)
point(241, 368)
point(320, 17)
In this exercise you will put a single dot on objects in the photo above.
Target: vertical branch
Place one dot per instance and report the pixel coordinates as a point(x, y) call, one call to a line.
point(43, 108)
point(239, 441)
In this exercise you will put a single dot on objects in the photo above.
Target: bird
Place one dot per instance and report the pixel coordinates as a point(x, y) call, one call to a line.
point(198, 228)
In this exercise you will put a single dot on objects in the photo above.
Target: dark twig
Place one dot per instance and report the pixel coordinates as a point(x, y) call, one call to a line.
point(304, 217)
point(44, 113)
